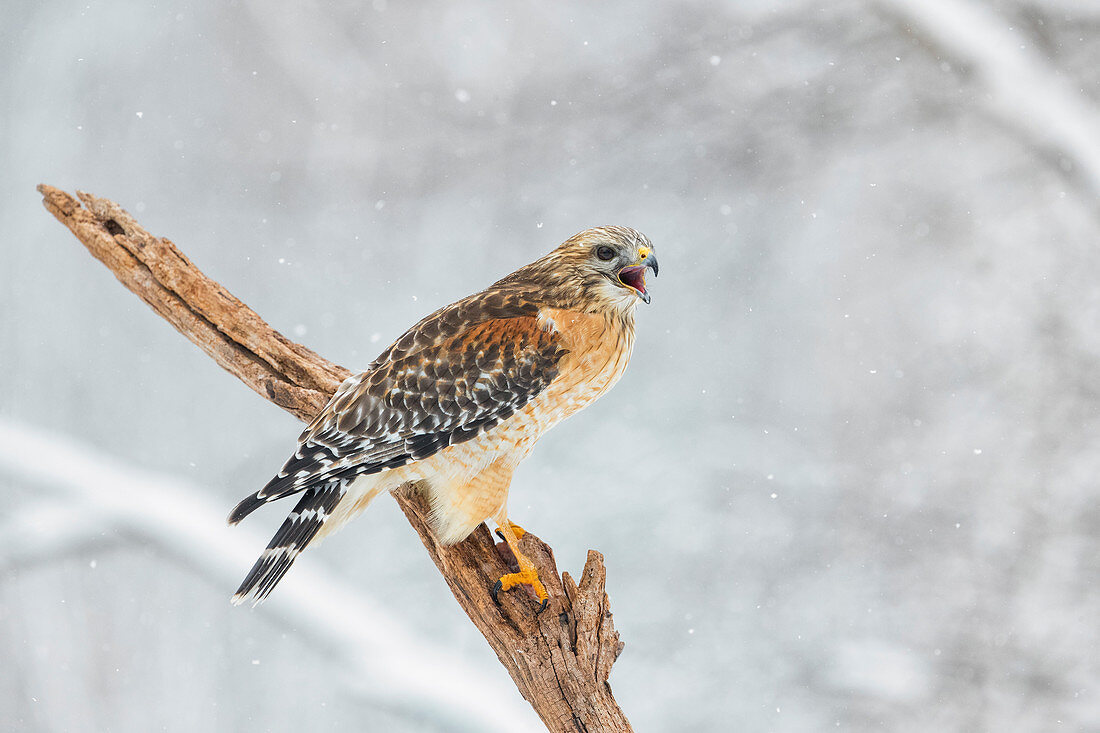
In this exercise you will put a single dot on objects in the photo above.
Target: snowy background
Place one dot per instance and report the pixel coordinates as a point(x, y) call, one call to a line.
point(849, 482)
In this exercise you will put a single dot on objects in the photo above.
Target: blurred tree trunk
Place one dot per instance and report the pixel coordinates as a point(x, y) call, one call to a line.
point(559, 660)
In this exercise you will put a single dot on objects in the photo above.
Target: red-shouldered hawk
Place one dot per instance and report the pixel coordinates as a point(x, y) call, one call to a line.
point(461, 398)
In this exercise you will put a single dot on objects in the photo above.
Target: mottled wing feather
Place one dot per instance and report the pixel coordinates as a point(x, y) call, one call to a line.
point(448, 379)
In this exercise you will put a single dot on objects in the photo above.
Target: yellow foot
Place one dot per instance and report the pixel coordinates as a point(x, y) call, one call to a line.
point(524, 577)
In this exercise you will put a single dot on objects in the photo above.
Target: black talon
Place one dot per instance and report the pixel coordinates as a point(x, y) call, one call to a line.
point(501, 535)
point(496, 589)
point(543, 605)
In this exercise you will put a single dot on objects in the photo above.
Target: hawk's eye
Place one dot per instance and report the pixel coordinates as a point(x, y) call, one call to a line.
point(605, 253)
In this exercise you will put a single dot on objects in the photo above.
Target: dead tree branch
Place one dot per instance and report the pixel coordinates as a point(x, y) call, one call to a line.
point(559, 660)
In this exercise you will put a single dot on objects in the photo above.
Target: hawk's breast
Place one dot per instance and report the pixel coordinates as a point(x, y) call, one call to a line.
point(599, 348)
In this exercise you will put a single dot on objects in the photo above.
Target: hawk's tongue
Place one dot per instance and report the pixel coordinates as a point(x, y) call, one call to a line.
point(634, 277)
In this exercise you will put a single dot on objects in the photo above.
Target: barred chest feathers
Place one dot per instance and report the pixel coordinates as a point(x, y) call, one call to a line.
point(599, 347)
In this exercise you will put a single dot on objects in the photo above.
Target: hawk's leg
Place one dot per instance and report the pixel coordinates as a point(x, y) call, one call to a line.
point(527, 574)
point(518, 530)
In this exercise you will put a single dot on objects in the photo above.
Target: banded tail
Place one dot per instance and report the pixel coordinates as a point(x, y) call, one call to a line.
point(299, 529)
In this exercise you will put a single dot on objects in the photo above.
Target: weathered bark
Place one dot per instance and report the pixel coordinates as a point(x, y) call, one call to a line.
point(559, 660)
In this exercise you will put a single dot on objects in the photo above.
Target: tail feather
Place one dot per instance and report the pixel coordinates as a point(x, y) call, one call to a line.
point(299, 529)
point(247, 505)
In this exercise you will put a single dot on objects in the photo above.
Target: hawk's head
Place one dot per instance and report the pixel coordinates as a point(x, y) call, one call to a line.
point(599, 269)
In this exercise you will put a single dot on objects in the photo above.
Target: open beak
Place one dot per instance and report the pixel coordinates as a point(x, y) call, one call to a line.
point(634, 276)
